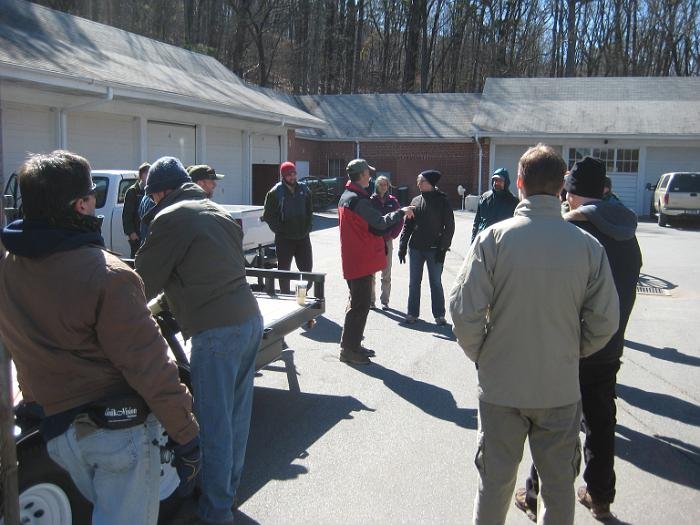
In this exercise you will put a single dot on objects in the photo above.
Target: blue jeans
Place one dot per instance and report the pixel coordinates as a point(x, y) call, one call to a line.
point(118, 471)
point(415, 268)
point(223, 367)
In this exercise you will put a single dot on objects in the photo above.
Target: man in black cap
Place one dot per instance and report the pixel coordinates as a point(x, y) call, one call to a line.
point(429, 236)
point(131, 220)
point(205, 177)
point(194, 252)
point(614, 226)
point(496, 204)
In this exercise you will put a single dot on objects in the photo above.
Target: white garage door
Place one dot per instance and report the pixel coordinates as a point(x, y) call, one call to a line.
point(224, 151)
point(107, 142)
point(266, 149)
point(25, 129)
point(507, 156)
point(666, 159)
point(174, 140)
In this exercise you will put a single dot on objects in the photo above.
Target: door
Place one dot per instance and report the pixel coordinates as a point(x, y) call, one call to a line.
point(173, 140)
point(265, 176)
point(25, 129)
point(224, 151)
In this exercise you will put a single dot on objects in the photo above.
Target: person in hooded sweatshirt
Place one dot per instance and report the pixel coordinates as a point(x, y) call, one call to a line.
point(194, 252)
point(429, 236)
point(614, 226)
point(496, 204)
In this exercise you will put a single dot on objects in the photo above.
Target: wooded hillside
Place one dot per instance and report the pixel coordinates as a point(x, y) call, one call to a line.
point(362, 46)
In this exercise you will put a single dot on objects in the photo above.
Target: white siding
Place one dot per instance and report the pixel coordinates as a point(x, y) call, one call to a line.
point(173, 140)
point(224, 152)
point(26, 129)
point(625, 187)
point(266, 149)
point(107, 141)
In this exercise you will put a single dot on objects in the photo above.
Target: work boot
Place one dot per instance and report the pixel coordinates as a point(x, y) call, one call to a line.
point(522, 502)
point(440, 321)
point(599, 510)
point(353, 357)
point(367, 351)
point(410, 319)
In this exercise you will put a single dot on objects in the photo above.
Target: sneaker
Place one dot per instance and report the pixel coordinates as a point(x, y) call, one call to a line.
point(410, 319)
point(353, 357)
point(440, 321)
point(385, 306)
point(599, 510)
point(522, 503)
point(367, 351)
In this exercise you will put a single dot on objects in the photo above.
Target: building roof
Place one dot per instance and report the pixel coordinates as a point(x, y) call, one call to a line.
point(658, 106)
point(40, 45)
point(426, 116)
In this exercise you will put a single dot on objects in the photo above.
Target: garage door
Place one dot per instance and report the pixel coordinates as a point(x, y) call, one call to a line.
point(107, 142)
point(508, 156)
point(173, 140)
point(224, 150)
point(25, 129)
point(266, 149)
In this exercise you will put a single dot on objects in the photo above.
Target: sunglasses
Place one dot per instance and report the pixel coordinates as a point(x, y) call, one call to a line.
point(91, 191)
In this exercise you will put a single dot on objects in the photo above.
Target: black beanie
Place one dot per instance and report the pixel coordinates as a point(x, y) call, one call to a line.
point(586, 178)
point(432, 176)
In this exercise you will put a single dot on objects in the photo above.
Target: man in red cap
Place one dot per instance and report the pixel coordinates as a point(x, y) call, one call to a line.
point(289, 213)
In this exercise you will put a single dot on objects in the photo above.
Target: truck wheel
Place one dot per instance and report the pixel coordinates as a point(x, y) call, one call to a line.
point(663, 218)
point(47, 495)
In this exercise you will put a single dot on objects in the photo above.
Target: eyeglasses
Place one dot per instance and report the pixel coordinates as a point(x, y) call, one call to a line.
point(91, 191)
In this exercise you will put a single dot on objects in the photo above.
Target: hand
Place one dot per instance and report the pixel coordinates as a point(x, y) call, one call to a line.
point(440, 255)
point(408, 211)
point(133, 236)
point(402, 256)
point(188, 463)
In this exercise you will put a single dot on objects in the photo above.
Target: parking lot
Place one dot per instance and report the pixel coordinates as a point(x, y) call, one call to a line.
point(393, 442)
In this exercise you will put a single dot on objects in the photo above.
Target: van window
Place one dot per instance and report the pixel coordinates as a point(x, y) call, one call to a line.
point(124, 185)
point(102, 184)
point(664, 182)
point(686, 183)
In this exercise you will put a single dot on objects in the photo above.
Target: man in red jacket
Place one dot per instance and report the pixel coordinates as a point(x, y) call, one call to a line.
point(362, 252)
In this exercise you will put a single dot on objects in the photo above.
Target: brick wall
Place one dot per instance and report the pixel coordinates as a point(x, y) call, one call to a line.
point(458, 162)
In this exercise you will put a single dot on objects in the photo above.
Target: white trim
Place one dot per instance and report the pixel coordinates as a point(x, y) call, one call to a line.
point(200, 144)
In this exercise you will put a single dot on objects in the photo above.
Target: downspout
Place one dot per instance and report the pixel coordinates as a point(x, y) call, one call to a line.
point(357, 149)
point(63, 115)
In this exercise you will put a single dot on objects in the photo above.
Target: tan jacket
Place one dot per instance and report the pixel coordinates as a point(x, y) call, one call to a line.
point(78, 329)
point(534, 295)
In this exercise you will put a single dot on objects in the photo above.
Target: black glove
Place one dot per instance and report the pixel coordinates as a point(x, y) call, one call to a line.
point(440, 255)
point(402, 256)
point(188, 463)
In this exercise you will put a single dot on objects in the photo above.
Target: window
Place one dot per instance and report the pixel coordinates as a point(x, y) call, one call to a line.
point(124, 185)
point(664, 182)
point(686, 183)
point(576, 154)
point(102, 184)
point(336, 168)
point(607, 156)
point(627, 161)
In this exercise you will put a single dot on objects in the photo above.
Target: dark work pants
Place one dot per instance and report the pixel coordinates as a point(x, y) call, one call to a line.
point(598, 381)
point(356, 312)
point(134, 245)
point(299, 250)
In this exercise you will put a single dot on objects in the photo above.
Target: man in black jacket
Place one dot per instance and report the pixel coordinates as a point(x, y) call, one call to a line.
point(496, 204)
point(614, 226)
point(428, 235)
point(131, 221)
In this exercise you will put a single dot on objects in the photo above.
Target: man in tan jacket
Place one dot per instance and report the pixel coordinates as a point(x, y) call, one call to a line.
point(534, 295)
point(75, 321)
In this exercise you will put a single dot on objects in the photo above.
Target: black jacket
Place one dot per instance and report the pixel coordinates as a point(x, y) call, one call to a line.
point(433, 224)
point(130, 214)
point(614, 226)
point(494, 206)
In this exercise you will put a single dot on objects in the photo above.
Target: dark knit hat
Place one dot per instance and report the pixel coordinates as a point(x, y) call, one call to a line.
point(586, 178)
point(286, 168)
point(167, 173)
point(202, 172)
point(432, 176)
point(501, 173)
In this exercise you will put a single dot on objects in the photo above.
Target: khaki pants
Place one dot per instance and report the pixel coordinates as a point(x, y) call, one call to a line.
point(556, 451)
point(386, 276)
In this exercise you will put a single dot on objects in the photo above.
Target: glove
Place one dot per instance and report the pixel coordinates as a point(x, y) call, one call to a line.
point(440, 255)
point(402, 256)
point(188, 463)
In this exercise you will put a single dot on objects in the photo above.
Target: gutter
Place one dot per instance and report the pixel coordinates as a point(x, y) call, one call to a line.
point(63, 115)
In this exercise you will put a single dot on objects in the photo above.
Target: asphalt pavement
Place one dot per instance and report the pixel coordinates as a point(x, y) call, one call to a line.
point(394, 442)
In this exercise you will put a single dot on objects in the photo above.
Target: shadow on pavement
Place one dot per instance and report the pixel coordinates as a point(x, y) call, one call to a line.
point(323, 223)
point(666, 353)
point(661, 404)
point(431, 399)
point(655, 282)
point(325, 331)
point(666, 457)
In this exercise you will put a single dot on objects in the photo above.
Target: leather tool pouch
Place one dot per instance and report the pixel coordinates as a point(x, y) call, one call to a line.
point(119, 411)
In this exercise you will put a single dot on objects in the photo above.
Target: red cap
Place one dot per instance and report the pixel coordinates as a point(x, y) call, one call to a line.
point(286, 168)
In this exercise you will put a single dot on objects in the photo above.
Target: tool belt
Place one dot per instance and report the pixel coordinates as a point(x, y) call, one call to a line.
point(118, 411)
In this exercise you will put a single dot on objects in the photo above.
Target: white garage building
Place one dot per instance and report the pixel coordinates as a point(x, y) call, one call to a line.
point(120, 99)
point(641, 127)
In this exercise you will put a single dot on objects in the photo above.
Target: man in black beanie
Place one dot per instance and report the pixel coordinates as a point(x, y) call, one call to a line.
point(428, 235)
point(495, 205)
point(614, 226)
point(194, 253)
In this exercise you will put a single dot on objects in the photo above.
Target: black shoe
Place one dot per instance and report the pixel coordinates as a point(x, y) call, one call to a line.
point(385, 306)
point(353, 357)
point(367, 351)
